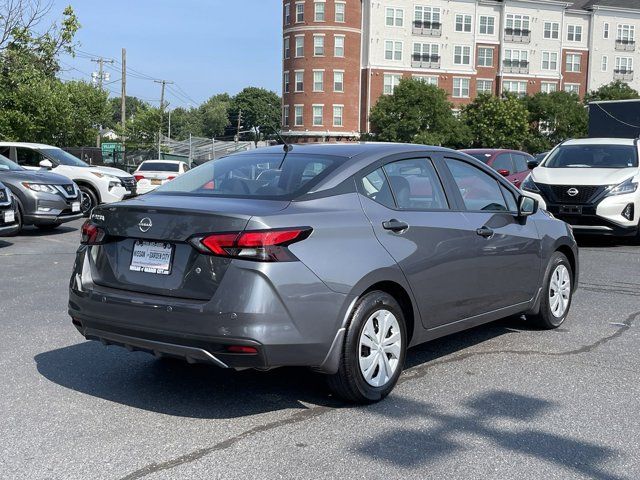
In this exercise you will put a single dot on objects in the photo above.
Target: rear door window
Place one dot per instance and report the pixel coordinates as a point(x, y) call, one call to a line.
point(520, 160)
point(28, 157)
point(503, 162)
point(415, 185)
point(376, 187)
point(479, 190)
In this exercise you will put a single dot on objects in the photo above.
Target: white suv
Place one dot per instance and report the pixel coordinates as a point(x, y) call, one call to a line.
point(592, 184)
point(98, 184)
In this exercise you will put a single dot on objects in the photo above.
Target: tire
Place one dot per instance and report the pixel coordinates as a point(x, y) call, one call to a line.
point(349, 383)
point(552, 312)
point(48, 227)
point(89, 200)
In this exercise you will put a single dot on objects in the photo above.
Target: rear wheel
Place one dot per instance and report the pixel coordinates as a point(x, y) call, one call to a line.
point(556, 293)
point(89, 200)
point(374, 350)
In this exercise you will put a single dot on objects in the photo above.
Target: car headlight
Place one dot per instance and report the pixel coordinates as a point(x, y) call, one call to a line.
point(39, 187)
point(529, 185)
point(628, 186)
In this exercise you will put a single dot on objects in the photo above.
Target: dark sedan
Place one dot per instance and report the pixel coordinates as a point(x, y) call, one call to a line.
point(336, 257)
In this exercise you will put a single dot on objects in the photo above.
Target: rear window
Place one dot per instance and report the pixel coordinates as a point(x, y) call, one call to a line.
point(269, 176)
point(593, 156)
point(159, 167)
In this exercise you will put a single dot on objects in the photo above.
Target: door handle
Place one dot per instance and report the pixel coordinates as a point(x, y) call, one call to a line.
point(395, 225)
point(485, 232)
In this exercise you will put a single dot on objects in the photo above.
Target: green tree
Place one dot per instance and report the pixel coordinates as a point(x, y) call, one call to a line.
point(260, 108)
point(616, 90)
point(132, 105)
point(497, 122)
point(214, 115)
point(142, 128)
point(416, 112)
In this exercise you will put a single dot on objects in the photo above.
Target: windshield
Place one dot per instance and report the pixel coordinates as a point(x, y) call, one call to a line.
point(255, 176)
point(6, 164)
point(593, 156)
point(159, 167)
point(63, 158)
point(483, 157)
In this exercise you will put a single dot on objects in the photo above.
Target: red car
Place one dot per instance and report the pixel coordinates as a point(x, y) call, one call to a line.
point(509, 163)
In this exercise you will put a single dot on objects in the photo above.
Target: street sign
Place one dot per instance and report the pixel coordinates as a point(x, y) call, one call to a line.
point(111, 147)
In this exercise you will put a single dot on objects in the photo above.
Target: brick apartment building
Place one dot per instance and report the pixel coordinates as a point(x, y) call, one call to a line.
point(339, 56)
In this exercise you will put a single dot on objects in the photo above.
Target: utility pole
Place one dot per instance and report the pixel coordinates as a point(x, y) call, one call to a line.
point(239, 125)
point(163, 83)
point(100, 76)
point(123, 93)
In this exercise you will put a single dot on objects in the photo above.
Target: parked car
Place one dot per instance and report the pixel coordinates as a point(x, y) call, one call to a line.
point(511, 164)
point(8, 224)
point(150, 174)
point(537, 159)
point(44, 199)
point(346, 257)
point(98, 184)
point(592, 184)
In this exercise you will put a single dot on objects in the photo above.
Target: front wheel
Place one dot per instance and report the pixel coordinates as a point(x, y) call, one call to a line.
point(556, 293)
point(89, 200)
point(374, 350)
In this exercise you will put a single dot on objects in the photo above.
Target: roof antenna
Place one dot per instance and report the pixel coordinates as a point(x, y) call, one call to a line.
point(287, 147)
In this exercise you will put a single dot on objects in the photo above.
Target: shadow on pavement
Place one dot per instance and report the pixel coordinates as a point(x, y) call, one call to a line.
point(595, 241)
point(4, 243)
point(31, 231)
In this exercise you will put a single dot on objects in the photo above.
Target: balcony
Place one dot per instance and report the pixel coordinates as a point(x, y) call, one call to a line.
point(517, 35)
point(623, 74)
point(428, 29)
point(425, 61)
point(515, 66)
point(625, 45)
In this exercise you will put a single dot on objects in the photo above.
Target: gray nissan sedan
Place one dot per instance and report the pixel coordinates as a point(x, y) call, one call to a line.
point(337, 257)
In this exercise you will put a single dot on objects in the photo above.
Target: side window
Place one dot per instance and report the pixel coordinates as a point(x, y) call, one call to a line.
point(376, 187)
point(415, 185)
point(479, 190)
point(521, 162)
point(512, 205)
point(28, 158)
point(503, 162)
point(5, 151)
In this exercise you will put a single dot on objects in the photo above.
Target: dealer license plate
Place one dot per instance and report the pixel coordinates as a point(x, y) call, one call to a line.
point(151, 257)
point(9, 216)
point(75, 207)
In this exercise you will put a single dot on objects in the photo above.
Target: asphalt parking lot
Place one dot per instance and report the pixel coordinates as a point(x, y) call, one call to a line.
point(500, 401)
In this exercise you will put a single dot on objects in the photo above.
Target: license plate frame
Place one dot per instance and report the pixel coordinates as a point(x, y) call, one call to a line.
point(144, 264)
point(570, 209)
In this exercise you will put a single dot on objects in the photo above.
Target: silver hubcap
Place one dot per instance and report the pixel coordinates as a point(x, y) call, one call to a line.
point(559, 291)
point(380, 347)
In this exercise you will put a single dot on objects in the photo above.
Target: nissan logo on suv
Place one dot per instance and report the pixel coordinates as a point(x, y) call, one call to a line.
point(572, 192)
point(145, 224)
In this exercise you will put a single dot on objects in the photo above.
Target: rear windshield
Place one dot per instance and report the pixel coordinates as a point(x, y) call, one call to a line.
point(266, 175)
point(593, 156)
point(159, 167)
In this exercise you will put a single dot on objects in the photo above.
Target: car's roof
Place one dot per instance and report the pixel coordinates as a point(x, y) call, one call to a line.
point(157, 160)
point(26, 144)
point(600, 141)
point(349, 150)
point(489, 150)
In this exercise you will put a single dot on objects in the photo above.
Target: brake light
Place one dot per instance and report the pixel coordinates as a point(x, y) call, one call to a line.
point(242, 349)
point(92, 234)
point(171, 177)
point(138, 177)
point(260, 245)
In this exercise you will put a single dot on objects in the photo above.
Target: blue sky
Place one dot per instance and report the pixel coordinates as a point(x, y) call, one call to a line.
point(205, 46)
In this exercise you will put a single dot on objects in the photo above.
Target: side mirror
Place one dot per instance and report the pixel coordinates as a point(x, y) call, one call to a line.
point(533, 164)
point(527, 206)
point(46, 164)
point(504, 172)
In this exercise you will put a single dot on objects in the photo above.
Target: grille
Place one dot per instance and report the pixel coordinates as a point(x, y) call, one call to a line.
point(4, 198)
point(586, 193)
point(67, 190)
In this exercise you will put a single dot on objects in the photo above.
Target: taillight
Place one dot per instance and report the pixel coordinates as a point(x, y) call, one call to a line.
point(92, 234)
point(260, 245)
point(171, 177)
point(138, 177)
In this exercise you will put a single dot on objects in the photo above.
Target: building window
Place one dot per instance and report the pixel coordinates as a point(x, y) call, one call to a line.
point(338, 49)
point(340, 12)
point(318, 80)
point(487, 25)
point(552, 30)
point(286, 82)
point(461, 55)
point(391, 81)
point(626, 33)
point(287, 13)
point(574, 33)
point(548, 87)
point(604, 65)
point(428, 79)
point(463, 23)
point(428, 53)
point(299, 46)
point(318, 111)
point(427, 15)
point(285, 115)
point(515, 87)
point(392, 50)
point(299, 12)
point(485, 87)
point(394, 17)
point(338, 112)
point(573, 62)
point(287, 47)
point(518, 22)
point(318, 11)
point(298, 121)
point(485, 57)
point(299, 81)
point(605, 30)
point(624, 65)
point(550, 61)
point(318, 45)
point(338, 81)
point(460, 87)
point(572, 88)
